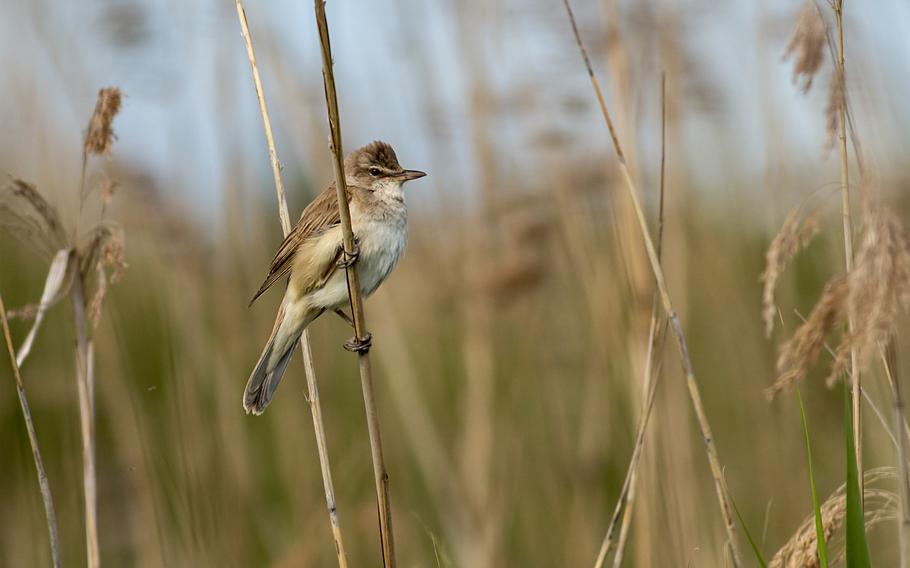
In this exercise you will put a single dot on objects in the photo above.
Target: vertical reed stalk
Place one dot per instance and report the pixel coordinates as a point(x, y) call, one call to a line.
point(43, 484)
point(366, 374)
point(306, 351)
point(656, 336)
point(672, 316)
point(85, 382)
point(856, 385)
point(626, 499)
point(903, 514)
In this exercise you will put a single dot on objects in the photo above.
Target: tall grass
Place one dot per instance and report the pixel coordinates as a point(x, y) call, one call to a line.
point(511, 367)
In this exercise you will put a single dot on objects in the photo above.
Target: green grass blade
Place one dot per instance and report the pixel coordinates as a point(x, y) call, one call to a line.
point(819, 530)
point(857, 549)
point(758, 557)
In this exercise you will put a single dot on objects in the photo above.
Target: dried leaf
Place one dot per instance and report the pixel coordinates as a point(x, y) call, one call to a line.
point(56, 286)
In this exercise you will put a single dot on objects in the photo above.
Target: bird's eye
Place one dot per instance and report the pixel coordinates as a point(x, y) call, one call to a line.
point(375, 172)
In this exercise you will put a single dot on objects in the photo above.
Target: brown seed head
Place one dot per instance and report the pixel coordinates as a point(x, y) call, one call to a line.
point(807, 45)
point(100, 135)
point(879, 286)
point(799, 353)
point(795, 235)
point(801, 551)
point(29, 217)
point(102, 263)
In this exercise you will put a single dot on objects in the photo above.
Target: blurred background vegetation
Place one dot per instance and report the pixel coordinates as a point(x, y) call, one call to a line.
point(509, 345)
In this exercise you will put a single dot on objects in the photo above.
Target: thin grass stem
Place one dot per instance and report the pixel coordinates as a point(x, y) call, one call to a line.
point(306, 350)
point(85, 382)
point(672, 316)
point(656, 336)
point(903, 516)
point(46, 498)
point(856, 380)
point(366, 374)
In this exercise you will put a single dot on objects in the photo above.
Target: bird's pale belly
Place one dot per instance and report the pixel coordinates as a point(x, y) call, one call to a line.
point(382, 245)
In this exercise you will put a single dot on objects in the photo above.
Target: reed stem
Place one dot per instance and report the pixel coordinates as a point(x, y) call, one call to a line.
point(43, 484)
point(306, 351)
point(856, 383)
point(366, 375)
point(85, 382)
point(666, 301)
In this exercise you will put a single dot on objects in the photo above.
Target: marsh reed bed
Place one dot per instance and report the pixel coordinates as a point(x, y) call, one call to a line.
point(518, 346)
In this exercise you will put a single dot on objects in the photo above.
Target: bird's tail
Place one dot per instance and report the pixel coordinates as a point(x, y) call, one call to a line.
point(289, 325)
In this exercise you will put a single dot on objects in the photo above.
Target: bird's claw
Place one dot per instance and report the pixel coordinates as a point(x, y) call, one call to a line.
point(358, 344)
point(348, 259)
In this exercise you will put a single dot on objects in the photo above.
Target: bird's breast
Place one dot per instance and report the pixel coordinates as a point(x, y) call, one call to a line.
point(382, 244)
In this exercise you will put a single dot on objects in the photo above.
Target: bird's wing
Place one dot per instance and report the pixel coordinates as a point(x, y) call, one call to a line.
point(319, 216)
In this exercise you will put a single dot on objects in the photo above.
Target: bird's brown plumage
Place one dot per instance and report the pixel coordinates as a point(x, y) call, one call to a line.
point(319, 216)
point(310, 255)
point(322, 214)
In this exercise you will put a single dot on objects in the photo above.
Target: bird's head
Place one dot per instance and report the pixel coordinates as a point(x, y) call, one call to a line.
point(376, 167)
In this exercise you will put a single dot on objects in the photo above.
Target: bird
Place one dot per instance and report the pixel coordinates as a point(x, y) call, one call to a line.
point(313, 257)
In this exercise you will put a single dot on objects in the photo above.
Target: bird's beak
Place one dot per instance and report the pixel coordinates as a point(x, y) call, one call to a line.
point(408, 175)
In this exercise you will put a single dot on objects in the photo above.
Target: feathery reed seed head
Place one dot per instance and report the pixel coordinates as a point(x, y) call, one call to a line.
point(799, 353)
point(100, 135)
point(795, 235)
point(102, 263)
point(30, 218)
point(801, 551)
point(879, 287)
point(807, 45)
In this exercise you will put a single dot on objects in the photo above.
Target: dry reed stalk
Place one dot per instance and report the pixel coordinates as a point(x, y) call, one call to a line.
point(43, 484)
point(85, 382)
point(366, 374)
point(656, 336)
point(70, 271)
point(306, 351)
point(98, 140)
point(903, 469)
point(478, 538)
point(841, 94)
point(672, 316)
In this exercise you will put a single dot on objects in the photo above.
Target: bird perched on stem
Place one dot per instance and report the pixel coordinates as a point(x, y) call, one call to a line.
point(313, 255)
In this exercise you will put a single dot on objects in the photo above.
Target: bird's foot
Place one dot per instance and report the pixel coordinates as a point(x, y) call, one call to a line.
point(359, 345)
point(348, 259)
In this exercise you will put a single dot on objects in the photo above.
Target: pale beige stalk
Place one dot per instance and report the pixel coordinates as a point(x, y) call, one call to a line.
point(848, 231)
point(692, 385)
point(380, 474)
point(43, 484)
point(306, 353)
point(656, 334)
